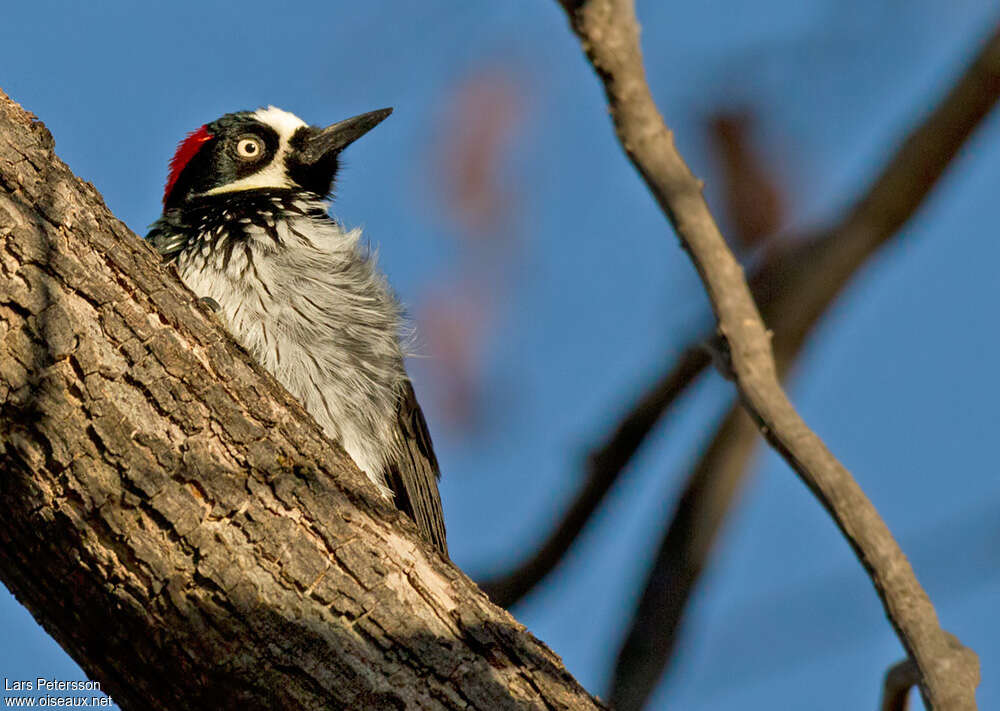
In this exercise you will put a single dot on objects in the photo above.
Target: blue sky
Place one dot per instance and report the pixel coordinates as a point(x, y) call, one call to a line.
point(900, 379)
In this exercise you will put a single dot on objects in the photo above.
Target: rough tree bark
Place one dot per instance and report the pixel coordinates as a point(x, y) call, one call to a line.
point(609, 35)
point(178, 523)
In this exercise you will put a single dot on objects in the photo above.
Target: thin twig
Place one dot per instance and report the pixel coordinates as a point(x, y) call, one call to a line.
point(795, 287)
point(609, 34)
point(900, 678)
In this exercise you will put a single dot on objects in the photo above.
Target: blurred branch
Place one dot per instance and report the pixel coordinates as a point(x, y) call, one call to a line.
point(609, 34)
point(604, 466)
point(679, 562)
point(794, 286)
point(709, 492)
point(741, 640)
point(754, 203)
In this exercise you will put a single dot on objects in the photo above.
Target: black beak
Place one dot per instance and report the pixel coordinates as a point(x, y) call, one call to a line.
point(333, 139)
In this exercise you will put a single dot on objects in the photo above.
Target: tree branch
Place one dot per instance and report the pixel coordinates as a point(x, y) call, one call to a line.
point(794, 287)
point(178, 523)
point(900, 678)
point(904, 675)
point(609, 35)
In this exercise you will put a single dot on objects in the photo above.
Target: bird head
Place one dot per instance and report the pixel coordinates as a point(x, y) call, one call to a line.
point(267, 149)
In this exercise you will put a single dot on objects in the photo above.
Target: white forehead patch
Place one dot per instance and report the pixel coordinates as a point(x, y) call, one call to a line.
point(273, 175)
point(285, 123)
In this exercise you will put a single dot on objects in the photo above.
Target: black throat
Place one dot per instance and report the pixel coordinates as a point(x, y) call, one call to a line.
point(207, 221)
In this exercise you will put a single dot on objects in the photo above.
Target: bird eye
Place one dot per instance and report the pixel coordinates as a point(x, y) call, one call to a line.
point(249, 148)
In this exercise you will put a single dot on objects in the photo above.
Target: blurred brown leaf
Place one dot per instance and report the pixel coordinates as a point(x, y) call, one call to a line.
point(478, 129)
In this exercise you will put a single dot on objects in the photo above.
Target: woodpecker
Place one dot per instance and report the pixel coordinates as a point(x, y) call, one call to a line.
point(245, 220)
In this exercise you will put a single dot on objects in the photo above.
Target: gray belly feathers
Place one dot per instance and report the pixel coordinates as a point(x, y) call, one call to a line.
point(306, 300)
point(321, 320)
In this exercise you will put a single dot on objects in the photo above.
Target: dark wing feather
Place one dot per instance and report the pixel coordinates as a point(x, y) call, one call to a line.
point(413, 479)
point(168, 239)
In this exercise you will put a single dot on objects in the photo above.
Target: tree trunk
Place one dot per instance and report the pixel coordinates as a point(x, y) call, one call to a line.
point(175, 519)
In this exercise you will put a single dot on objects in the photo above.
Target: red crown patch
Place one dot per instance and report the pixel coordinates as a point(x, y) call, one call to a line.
point(186, 150)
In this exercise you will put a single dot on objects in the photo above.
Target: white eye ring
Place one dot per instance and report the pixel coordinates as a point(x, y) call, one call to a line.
point(249, 148)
